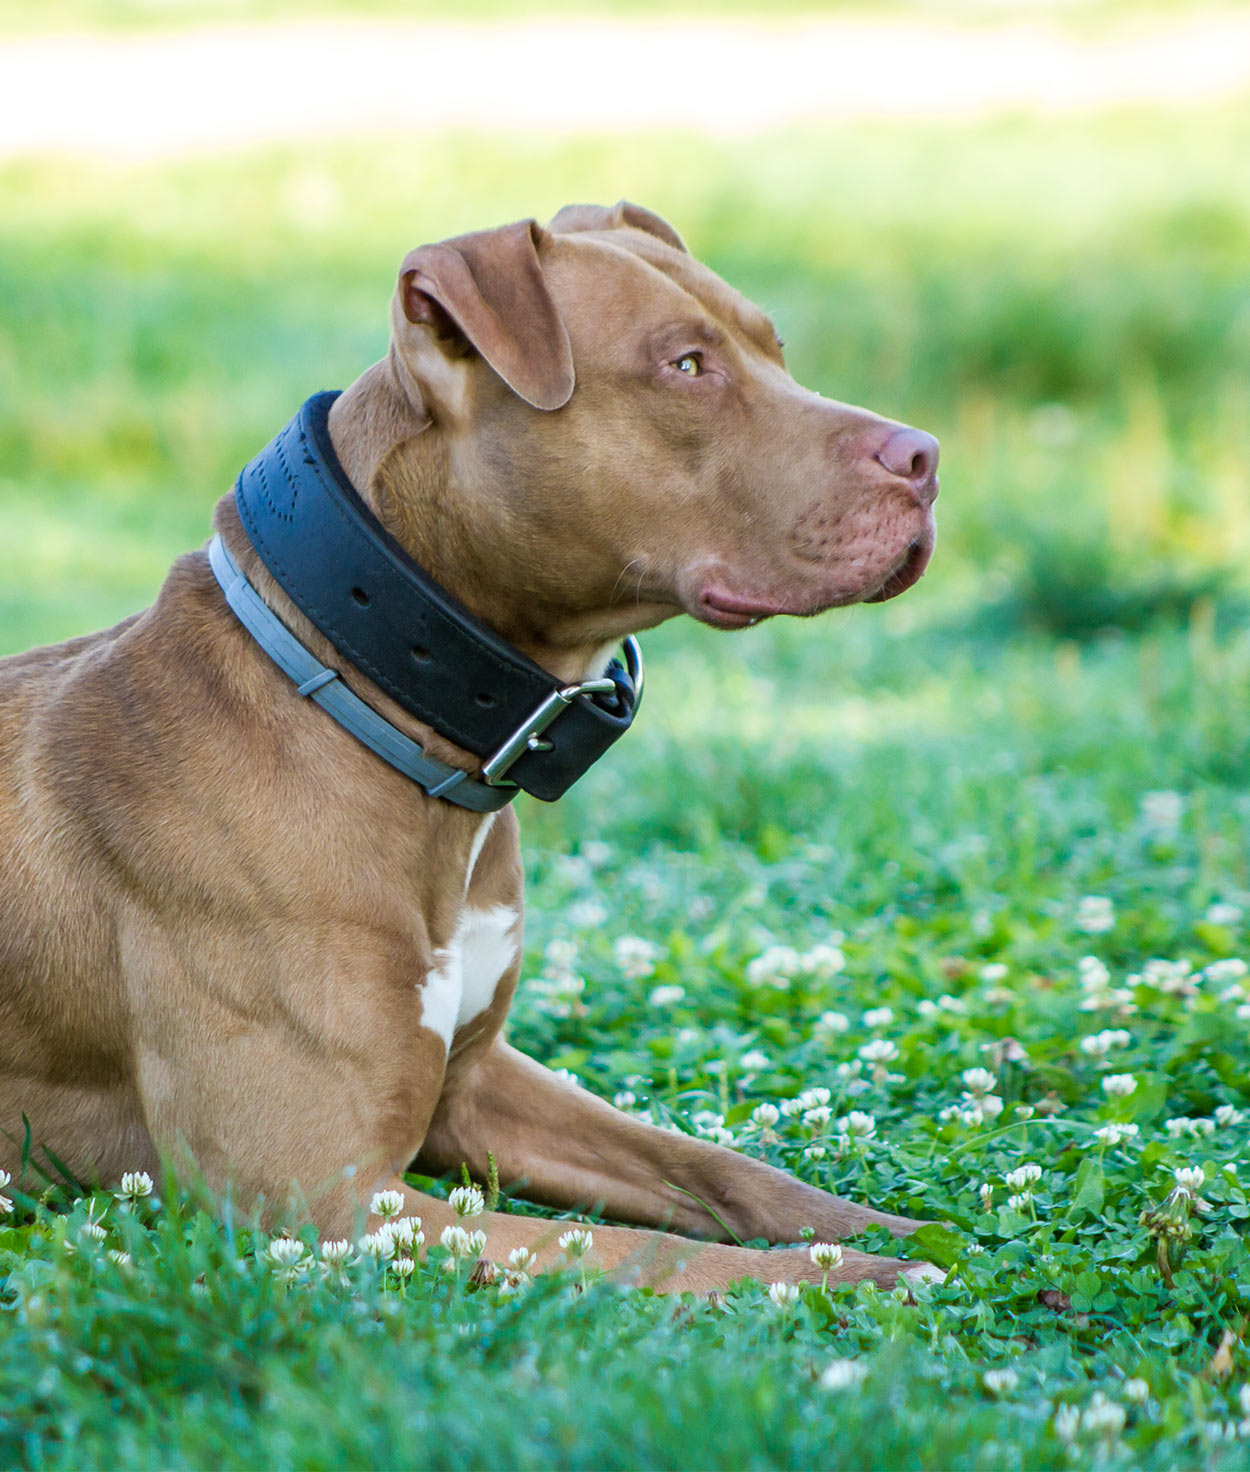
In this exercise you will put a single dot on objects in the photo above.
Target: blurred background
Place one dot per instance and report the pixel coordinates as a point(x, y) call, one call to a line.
point(1022, 226)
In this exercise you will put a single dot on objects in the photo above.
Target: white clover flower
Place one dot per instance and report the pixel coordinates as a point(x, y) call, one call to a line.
point(387, 1203)
point(405, 1231)
point(1118, 1085)
point(588, 914)
point(815, 1152)
point(1226, 1114)
point(879, 1050)
point(826, 1255)
point(765, 1116)
point(380, 1245)
point(284, 1252)
point(522, 1260)
point(1000, 1382)
point(754, 1061)
point(1137, 1391)
point(1223, 914)
point(991, 1106)
point(783, 1295)
point(466, 1201)
point(1102, 1416)
point(597, 853)
point(1093, 973)
point(824, 961)
point(877, 1017)
point(1099, 1044)
point(1231, 968)
point(775, 967)
point(404, 1266)
point(791, 1107)
point(1023, 1175)
point(457, 1242)
point(986, 1192)
point(1189, 1177)
point(118, 1257)
point(1243, 1398)
point(978, 1081)
point(1067, 1422)
point(576, 1244)
point(954, 1005)
point(833, 1023)
point(993, 972)
point(635, 956)
point(1095, 914)
point(818, 1116)
point(93, 1231)
point(477, 1242)
point(560, 953)
point(842, 1374)
point(6, 1204)
point(1020, 1201)
point(1162, 812)
point(625, 1099)
point(337, 1252)
point(858, 1124)
point(1183, 1125)
point(1173, 978)
point(813, 1098)
point(135, 1184)
point(666, 996)
point(1115, 1134)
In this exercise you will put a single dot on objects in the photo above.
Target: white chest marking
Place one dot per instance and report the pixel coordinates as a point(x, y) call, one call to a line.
point(484, 945)
point(469, 970)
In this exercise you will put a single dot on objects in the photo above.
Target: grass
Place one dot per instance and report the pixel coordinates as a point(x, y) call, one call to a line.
point(932, 788)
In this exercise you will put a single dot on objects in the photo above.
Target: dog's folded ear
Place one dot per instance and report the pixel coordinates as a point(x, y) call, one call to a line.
point(620, 216)
point(489, 288)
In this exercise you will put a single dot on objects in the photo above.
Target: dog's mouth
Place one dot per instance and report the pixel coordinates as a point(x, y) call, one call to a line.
point(723, 609)
point(908, 572)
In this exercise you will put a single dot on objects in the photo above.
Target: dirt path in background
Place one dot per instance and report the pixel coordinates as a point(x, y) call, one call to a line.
point(228, 87)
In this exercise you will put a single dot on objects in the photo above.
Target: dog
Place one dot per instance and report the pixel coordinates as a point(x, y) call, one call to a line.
point(238, 933)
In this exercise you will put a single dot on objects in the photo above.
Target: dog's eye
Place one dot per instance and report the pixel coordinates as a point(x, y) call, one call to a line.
point(689, 363)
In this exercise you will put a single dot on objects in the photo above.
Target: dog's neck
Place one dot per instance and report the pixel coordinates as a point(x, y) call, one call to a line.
point(398, 461)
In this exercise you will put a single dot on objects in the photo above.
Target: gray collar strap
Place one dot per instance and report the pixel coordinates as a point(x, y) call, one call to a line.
point(315, 682)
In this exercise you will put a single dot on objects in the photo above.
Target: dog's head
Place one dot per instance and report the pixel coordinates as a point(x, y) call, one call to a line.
point(627, 420)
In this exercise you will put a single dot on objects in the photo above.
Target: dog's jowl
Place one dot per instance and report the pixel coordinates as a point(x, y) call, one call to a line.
point(260, 888)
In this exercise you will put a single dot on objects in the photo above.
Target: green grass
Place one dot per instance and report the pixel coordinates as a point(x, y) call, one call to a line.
point(942, 781)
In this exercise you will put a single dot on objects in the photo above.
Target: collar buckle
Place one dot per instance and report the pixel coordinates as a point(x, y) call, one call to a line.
point(528, 736)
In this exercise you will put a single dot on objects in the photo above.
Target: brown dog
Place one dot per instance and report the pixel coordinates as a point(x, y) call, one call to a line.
point(229, 933)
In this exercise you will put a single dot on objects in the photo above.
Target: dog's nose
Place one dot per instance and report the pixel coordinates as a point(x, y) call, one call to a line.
point(912, 455)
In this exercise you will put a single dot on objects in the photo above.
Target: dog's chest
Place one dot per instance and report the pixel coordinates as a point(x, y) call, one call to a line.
point(467, 971)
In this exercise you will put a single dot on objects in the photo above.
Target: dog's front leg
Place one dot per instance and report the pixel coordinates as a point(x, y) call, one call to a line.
point(562, 1146)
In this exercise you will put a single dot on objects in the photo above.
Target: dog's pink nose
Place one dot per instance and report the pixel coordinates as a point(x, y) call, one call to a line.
point(912, 455)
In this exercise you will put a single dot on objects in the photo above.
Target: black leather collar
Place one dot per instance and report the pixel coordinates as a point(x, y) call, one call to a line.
point(395, 624)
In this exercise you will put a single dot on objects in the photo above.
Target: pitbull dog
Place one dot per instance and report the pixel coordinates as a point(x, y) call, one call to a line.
point(233, 937)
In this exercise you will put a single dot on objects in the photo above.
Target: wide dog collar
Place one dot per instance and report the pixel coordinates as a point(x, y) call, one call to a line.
point(397, 626)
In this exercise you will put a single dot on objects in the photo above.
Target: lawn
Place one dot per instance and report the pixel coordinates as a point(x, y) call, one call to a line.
point(948, 901)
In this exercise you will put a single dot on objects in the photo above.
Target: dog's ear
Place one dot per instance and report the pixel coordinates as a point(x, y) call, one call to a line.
point(620, 216)
point(488, 290)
